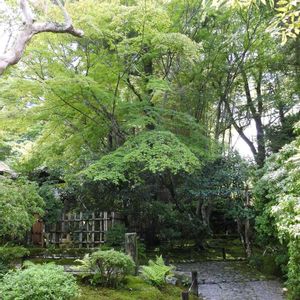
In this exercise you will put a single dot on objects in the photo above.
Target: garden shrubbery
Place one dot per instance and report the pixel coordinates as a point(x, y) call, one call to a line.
point(277, 198)
point(115, 236)
point(36, 282)
point(109, 267)
point(10, 255)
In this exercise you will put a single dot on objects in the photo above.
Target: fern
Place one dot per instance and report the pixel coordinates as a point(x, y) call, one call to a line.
point(156, 272)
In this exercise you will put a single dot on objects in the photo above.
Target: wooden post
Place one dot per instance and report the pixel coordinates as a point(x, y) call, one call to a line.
point(131, 248)
point(93, 230)
point(47, 239)
point(224, 253)
point(62, 231)
point(185, 295)
point(105, 221)
point(81, 229)
point(195, 283)
point(102, 237)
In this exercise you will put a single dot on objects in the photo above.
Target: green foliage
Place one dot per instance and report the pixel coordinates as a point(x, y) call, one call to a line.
point(9, 254)
point(4, 268)
point(109, 267)
point(285, 22)
point(53, 204)
point(153, 151)
point(280, 135)
point(19, 205)
point(115, 236)
point(5, 150)
point(135, 289)
point(141, 249)
point(293, 267)
point(156, 272)
point(277, 194)
point(221, 178)
point(38, 282)
point(266, 264)
point(218, 188)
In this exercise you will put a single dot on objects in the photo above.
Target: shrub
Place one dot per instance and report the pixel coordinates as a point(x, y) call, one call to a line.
point(267, 264)
point(109, 267)
point(115, 236)
point(3, 269)
point(37, 282)
point(156, 272)
point(19, 205)
point(141, 249)
point(9, 254)
point(277, 198)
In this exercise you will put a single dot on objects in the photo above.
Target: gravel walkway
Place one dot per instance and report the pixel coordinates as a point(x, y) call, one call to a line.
point(233, 280)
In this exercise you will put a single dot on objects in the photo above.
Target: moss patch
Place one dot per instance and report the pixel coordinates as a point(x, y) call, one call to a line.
point(135, 289)
point(58, 261)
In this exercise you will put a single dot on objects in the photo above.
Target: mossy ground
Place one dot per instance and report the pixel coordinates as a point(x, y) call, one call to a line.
point(59, 261)
point(212, 251)
point(135, 289)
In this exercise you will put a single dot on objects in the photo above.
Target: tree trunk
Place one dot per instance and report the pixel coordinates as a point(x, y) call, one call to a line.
point(261, 147)
point(205, 213)
point(256, 112)
point(247, 238)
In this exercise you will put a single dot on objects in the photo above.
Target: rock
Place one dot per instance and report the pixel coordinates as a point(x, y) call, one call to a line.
point(171, 280)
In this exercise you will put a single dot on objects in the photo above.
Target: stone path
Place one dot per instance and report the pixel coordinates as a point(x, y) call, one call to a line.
point(232, 280)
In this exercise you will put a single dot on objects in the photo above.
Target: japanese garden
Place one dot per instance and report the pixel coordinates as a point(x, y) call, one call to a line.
point(149, 149)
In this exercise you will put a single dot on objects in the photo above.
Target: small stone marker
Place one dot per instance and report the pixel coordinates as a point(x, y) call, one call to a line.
point(131, 247)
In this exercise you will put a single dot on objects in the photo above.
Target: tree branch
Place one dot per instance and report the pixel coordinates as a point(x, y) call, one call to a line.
point(30, 28)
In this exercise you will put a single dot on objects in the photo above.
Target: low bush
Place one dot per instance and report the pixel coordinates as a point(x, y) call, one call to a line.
point(109, 267)
point(51, 250)
point(156, 272)
point(267, 264)
point(115, 236)
point(141, 249)
point(3, 269)
point(36, 282)
point(9, 254)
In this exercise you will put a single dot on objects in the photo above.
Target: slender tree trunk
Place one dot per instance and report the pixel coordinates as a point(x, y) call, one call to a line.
point(240, 230)
point(247, 238)
point(247, 225)
point(205, 213)
point(256, 112)
point(261, 147)
point(218, 119)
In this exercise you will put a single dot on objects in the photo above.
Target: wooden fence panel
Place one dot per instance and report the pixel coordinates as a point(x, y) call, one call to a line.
point(83, 230)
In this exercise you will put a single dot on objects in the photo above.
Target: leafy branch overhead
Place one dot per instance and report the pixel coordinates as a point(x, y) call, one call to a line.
point(286, 22)
point(153, 151)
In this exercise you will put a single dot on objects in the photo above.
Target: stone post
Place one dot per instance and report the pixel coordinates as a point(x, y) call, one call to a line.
point(131, 248)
